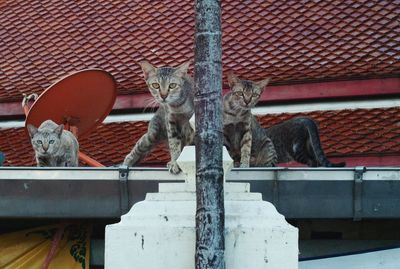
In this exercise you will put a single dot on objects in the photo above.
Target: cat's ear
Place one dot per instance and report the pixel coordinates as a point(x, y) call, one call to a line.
point(263, 83)
point(232, 79)
point(182, 69)
point(147, 68)
point(59, 129)
point(32, 130)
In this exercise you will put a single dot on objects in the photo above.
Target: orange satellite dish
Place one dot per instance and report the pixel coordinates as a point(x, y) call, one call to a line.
point(80, 101)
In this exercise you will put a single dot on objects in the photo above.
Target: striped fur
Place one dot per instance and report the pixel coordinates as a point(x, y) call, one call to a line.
point(53, 145)
point(244, 138)
point(298, 140)
point(172, 88)
point(293, 140)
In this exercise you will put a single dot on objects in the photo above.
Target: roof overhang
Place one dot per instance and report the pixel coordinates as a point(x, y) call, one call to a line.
point(274, 94)
point(352, 192)
point(297, 92)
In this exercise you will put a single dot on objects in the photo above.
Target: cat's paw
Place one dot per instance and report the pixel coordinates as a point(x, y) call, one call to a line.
point(173, 167)
point(244, 165)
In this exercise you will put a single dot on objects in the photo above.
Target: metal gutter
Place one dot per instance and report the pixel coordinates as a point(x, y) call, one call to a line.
point(328, 192)
point(352, 193)
point(75, 192)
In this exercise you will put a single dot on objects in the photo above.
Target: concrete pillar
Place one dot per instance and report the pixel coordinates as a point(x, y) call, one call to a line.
point(159, 232)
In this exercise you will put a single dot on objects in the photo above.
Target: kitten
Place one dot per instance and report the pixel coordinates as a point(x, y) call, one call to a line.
point(53, 145)
point(298, 140)
point(172, 88)
point(244, 138)
point(294, 140)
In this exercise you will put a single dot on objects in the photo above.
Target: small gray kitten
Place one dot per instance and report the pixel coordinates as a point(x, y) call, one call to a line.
point(244, 137)
point(172, 88)
point(53, 145)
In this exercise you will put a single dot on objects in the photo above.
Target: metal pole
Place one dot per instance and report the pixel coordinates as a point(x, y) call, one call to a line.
point(209, 136)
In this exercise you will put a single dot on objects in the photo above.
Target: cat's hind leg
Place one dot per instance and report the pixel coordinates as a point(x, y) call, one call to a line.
point(314, 147)
point(304, 154)
point(266, 155)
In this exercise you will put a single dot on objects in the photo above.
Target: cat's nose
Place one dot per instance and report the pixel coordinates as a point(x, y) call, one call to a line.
point(45, 148)
point(163, 96)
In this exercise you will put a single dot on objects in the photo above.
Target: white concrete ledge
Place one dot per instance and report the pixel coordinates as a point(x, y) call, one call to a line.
point(159, 232)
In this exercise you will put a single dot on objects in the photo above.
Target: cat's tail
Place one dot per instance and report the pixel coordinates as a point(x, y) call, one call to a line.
point(315, 143)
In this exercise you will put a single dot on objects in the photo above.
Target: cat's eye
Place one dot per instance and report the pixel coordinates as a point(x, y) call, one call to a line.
point(155, 85)
point(51, 141)
point(239, 93)
point(172, 85)
point(256, 95)
point(39, 142)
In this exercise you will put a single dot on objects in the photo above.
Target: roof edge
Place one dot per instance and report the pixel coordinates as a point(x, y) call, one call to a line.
point(273, 94)
point(296, 92)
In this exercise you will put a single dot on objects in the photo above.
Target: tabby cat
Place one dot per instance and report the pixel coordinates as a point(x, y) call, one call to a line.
point(172, 88)
point(53, 145)
point(294, 140)
point(244, 138)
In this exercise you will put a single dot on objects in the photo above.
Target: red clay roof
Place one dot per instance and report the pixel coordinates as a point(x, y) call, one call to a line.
point(42, 40)
point(360, 132)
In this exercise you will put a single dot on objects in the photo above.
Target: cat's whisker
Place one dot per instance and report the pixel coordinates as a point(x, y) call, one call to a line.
point(155, 104)
point(237, 107)
point(149, 103)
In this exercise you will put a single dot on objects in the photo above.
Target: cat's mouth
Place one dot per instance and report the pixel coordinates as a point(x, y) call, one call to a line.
point(162, 100)
point(44, 153)
point(247, 106)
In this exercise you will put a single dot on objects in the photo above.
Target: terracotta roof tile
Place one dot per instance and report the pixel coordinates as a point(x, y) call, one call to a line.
point(42, 40)
point(343, 133)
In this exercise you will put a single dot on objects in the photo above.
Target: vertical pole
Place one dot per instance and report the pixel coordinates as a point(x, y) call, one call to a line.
point(209, 136)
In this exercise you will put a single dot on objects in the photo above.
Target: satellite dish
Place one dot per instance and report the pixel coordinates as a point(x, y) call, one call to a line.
point(82, 99)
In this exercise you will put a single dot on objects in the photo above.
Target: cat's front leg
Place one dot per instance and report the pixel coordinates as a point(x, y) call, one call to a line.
point(144, 145)
point(245, 147)
point(175, 151)
point(175, 147)
point(42, 162)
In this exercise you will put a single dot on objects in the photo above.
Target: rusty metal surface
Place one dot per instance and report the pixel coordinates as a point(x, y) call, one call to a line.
point(290, 41)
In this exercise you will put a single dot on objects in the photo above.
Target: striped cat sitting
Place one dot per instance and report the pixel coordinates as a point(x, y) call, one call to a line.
point(172, 88)
point(294, 140)
point(244, 137)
